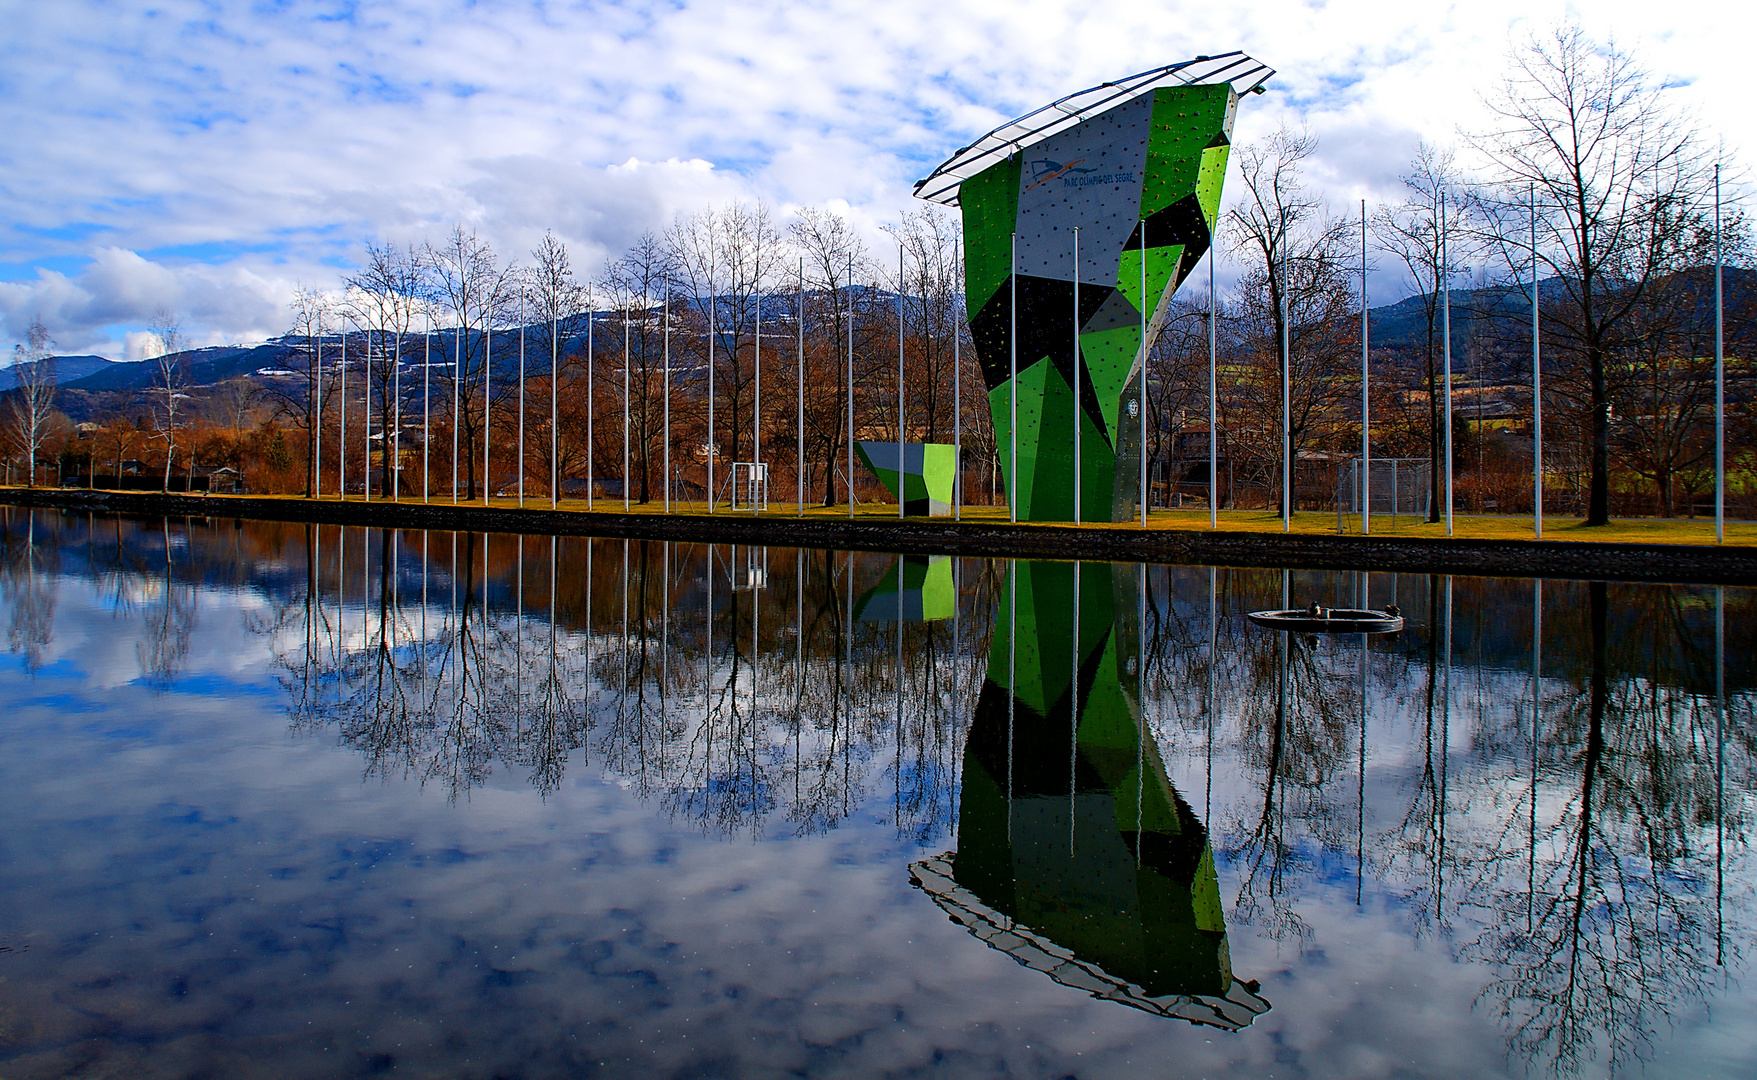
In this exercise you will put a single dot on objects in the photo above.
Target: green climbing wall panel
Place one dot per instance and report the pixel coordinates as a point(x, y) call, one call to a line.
point(1147, 171)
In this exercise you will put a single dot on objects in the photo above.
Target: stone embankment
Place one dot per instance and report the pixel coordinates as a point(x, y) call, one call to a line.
point(1680, 563)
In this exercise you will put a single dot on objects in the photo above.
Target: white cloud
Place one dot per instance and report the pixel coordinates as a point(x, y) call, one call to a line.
point(231, 301)
point(210, 159)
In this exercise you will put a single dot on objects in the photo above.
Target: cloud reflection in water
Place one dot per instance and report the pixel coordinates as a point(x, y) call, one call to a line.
point(294, 801)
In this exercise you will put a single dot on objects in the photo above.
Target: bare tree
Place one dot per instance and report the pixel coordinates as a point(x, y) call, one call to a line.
point(233, 401)
point(722, 260)
point(1293, 291)
point(1411, 233)
point(557, 313)
point(301, 402)
point(833, 255)
point(469, 279)
point(170, 376)
point(641, 280)
point(385, 298)
point(1620, 179)
point(1666, 393)
point(33, 368)
point(1177, 384)
point(933, 286)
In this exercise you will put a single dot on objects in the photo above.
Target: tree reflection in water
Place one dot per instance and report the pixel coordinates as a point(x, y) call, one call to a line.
point(29, 578)
point(1550, 785)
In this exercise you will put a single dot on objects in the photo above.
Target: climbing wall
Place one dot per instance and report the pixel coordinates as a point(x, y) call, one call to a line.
point(1139, 182)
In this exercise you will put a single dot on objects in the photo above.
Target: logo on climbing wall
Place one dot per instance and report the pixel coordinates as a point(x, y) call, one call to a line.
point(1072, 174)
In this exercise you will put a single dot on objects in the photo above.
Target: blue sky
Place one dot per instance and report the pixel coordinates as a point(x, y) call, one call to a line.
point(210, 157)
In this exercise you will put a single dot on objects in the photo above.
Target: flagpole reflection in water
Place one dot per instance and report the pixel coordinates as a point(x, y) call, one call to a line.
point(1074, 699)
point(1536, 729)
point(1360, 823)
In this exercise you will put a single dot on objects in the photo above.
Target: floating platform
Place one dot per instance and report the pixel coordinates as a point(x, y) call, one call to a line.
point(1322, 620)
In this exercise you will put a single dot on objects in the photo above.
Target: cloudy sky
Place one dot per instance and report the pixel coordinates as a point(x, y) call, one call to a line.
point(210, 157)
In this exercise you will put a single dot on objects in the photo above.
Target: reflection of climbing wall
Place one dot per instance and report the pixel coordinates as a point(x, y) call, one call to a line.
point(1151, 166)
point(1067, 824)
point(917, 588)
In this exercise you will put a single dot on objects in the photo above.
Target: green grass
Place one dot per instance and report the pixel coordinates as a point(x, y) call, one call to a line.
point(1309, 523)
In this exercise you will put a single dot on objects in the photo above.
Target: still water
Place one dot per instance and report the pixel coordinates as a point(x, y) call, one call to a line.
point(283, 800)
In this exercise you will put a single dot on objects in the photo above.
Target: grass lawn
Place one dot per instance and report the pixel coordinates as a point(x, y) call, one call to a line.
point(1312, 523)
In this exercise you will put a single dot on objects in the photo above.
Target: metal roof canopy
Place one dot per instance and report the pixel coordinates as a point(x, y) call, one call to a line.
point(941, 185)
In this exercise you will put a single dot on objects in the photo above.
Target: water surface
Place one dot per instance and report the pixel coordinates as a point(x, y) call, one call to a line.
point(286, 800)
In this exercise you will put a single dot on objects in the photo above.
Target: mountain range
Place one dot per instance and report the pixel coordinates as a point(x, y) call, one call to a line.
point(1401, 326)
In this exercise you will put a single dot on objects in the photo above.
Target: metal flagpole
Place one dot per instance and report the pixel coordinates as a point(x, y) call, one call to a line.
point(1213, 406)
point(427, 410)
point(799, 424)
point(957, 390)
point(316, 421)
point(665, 317)
point(522, 462)
point(554, 408)
point(1143, 394)
point(647, 309)
point(902, 482)
point(366, 411)
point(487, 400)
point(366, 416)
point(713, 447)
point(756, 456)
point(626, 406)
point(1013, 388)
point(1366, 404)
point(1536, 386)
point(850, 389)
point(457, 379)
point(1286, 415)
point(396, 436)
point(1719, 381)
point(1446, 351)
point(591, 399)
point(342, 434)
point(1076, 375)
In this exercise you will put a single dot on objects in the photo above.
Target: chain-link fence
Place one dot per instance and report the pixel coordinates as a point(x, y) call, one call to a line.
point(1394, 487)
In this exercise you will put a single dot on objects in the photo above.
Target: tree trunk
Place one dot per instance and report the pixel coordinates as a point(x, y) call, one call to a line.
point(1436, 468)
point(469, 465)
point(1598, 511)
